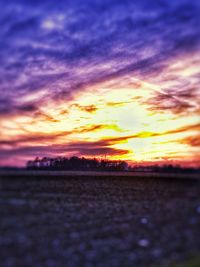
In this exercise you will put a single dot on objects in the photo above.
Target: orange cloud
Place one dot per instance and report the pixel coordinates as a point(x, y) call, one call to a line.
point(87, 108)
point(191, 140)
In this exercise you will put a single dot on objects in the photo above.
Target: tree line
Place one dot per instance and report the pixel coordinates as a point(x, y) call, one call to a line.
point(76, 163)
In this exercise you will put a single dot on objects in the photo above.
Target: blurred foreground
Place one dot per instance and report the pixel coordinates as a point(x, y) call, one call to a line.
point(98, 221)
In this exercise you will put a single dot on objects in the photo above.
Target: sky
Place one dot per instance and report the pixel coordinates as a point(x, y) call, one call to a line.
point(100, 78)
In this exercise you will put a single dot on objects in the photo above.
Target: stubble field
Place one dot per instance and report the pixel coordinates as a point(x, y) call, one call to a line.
point(99, 221)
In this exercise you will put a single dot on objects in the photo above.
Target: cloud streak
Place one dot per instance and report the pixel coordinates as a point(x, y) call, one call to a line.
point(52, 53)
point(73, 45)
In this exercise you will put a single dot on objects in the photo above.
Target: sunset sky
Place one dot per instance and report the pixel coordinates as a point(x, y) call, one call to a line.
point(100, 77)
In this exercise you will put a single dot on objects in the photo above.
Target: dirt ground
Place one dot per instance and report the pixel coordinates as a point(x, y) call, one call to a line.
point(98, 221)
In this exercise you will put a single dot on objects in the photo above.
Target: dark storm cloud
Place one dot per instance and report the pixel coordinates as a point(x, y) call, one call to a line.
point(59, 48)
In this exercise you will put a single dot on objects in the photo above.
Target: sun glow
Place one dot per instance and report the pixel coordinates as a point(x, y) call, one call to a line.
point(115, 121)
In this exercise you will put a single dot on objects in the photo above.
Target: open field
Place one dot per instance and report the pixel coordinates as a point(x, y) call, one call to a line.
point(89, 220)
point(45, 173)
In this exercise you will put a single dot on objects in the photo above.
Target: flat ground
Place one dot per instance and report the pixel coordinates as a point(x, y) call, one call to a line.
point(98, 221)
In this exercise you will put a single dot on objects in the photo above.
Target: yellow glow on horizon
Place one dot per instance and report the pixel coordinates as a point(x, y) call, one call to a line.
point(118, 117)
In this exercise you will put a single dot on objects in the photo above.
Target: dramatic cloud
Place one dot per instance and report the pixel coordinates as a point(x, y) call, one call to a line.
point(98, 69)
point(192, 141)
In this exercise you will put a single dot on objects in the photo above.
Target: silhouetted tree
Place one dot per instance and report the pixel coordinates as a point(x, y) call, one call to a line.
point(75, 163)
